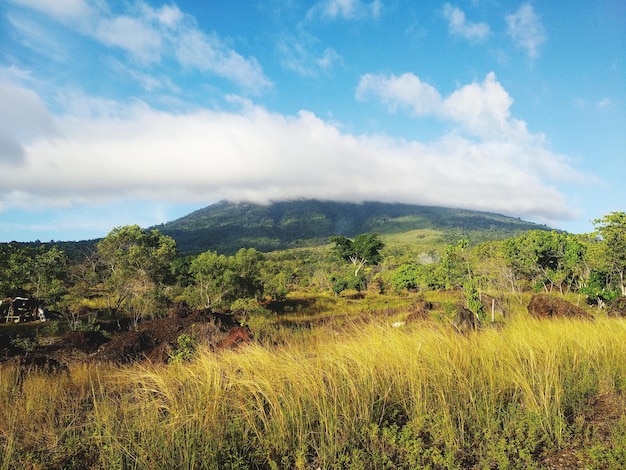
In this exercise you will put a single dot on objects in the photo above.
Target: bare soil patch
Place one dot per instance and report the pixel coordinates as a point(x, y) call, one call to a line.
point(547, 306)
point(152, 340)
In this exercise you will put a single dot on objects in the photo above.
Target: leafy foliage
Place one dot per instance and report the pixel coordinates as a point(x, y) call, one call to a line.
point(549, 259)
point(220, 279)
point(38, 271)
point(412, 276)
point(134, 263)
point(364, 249)
point(612, 229)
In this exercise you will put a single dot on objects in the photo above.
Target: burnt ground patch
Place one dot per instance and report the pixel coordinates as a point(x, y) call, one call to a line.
point(547, 306)
point(119, 341)
point(155, 340)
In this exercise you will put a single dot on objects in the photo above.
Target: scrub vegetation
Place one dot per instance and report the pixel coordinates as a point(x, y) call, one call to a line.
point(357, 358)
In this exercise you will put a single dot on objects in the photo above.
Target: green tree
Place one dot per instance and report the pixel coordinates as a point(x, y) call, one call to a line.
point(15, 261)
point(407, 277)
point(213, 277)
point(277, 278)
point(454, 267)
point(46, 272)
point(247, 264)
point(612, 230)
point(134, 262)
point(220, 279)
point(411, 276)
point(39, 271)
point(548, 259)
point(364, 249)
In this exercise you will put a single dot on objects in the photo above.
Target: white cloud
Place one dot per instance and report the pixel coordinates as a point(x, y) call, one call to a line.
point(62, 10)
point(406, 91)
point(149, 82)
point(345, 9)
point(150, 35)
point(482, 109)
point(194, 49)
point(328, 59)
point(133, 35)
point(104, 151)
point(525, 28)
point(169, 15)
point(459, 26)
point(31, 34)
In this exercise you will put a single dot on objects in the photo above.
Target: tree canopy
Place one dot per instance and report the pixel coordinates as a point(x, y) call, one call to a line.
point(612, 229)
point(364, 249)
point(221, 279)
point(134, 264)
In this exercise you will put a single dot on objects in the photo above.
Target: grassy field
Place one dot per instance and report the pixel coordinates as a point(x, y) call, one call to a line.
point(355, 394)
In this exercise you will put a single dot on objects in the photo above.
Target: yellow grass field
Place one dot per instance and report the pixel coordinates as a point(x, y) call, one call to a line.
point(359, 396)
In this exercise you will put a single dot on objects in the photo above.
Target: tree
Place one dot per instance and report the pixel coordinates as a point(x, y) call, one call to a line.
point(472, 299)
point(135, 262)
point(454, 265)
point(364, 249)
point(277, 278)
point(46, 272)
point(247, 265)
point(220, 279)
point(612, 230)
point(34, 271)
point(212, 281)
point(549, 259)
point(411, 276)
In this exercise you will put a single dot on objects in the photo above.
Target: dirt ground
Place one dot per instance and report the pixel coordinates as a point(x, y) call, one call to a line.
point(547, 306)
point(152, 340)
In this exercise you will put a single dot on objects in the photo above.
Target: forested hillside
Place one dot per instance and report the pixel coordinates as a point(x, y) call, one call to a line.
point(226, 227)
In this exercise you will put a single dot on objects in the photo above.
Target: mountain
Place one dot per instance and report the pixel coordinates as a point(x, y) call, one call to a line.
point(227, 226)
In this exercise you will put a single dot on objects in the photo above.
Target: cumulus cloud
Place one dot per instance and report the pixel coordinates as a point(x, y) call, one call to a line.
point(526, 29)
point(481, 109)
point(458, 25)
point(136, 152)
point(406, 91)
point(345, 9)
point(150, 35)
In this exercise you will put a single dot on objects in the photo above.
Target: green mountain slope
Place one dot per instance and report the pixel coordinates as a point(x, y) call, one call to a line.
point(225, 226)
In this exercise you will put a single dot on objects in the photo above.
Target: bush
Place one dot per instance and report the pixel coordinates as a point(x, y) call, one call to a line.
point(186, 349)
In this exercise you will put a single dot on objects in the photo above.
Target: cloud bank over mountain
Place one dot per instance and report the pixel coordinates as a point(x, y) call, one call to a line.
point(489, 161)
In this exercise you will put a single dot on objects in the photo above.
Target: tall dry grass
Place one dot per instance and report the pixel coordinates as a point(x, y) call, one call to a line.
point(366, 396)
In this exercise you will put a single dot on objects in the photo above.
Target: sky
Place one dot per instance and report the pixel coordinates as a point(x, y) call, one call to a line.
point(138, 112)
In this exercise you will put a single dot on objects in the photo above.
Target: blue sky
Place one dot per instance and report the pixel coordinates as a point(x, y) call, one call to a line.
point(124, 112)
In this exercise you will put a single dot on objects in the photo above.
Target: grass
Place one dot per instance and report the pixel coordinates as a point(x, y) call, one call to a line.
point(363, 396)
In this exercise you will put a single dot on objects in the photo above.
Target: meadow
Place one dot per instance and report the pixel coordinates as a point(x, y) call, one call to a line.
point(355, 393)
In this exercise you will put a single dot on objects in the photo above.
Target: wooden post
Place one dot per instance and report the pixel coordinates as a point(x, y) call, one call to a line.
point(493, 310)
